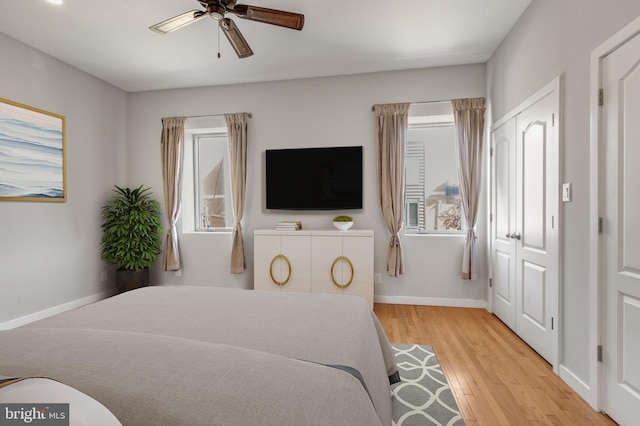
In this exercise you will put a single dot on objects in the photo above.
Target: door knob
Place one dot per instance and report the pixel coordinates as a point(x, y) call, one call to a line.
point(508, 235)
point(516, 236)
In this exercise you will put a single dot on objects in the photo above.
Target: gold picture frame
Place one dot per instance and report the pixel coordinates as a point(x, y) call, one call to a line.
point(32, 154)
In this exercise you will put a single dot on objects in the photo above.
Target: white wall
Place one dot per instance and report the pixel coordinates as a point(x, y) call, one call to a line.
point(309, 113)
point(556, 38)
point(49, 252)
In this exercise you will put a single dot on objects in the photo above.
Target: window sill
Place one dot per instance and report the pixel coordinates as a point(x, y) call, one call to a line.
point(435, 234)
point(225, 231)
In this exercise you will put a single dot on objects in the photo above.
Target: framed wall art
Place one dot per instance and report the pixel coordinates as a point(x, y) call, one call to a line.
point(32, 154)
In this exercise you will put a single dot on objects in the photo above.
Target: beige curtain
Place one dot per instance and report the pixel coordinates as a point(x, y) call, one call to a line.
point(172, 144)
point(237, 142)
point(391, 142)
point(468, 116)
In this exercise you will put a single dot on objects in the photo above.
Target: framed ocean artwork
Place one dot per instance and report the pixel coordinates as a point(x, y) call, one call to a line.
point(32, 154)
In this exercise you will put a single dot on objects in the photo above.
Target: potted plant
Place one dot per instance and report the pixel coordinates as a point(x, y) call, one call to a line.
point(343, 222)
point(131, 236)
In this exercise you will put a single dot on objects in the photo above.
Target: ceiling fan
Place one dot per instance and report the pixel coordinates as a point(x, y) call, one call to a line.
point(217, 9)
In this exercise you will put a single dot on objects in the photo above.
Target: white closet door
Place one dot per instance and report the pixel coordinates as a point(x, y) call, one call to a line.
point(536, 234)
point(503, 198)
point(524, 221)
point(621, 232)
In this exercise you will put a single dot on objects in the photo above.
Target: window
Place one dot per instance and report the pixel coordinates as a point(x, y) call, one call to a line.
point(432, 193)
point(211, 182)
point(206, 194)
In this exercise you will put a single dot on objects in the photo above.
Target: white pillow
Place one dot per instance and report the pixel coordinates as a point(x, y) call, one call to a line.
point(84, 410)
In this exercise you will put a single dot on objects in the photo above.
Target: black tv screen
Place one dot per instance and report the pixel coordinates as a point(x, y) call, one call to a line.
point(314, 178)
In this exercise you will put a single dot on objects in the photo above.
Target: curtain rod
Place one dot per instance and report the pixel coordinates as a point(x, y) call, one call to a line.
point(418, 103)
point(213, 115)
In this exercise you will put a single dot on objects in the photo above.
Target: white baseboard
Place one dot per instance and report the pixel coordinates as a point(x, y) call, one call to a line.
point(431, 301)
point(575, 383)
point(8, 325)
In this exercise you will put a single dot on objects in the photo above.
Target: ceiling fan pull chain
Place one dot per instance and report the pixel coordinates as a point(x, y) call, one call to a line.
point(218, 42)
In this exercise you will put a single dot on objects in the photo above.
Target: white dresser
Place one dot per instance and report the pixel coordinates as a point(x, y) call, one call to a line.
point(317, 261)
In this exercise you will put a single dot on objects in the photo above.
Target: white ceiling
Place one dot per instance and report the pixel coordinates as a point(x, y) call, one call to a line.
point(110, 39)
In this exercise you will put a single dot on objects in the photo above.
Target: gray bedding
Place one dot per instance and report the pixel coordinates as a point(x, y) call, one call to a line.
point(212, 356)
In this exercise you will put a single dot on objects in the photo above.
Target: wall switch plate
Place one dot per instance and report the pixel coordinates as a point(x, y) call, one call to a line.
point(377, 278)
point(179, 273)
point(566, 192)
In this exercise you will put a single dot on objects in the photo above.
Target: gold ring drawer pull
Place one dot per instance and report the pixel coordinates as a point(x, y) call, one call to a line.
point(333, 278)
point(276, 282)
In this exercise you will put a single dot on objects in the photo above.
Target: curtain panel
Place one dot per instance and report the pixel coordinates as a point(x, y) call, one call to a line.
point(237, 142)
point(172, 146)
point(391, 142)
point(468, 116)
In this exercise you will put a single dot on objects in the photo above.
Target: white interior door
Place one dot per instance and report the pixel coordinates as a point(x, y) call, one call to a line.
point(536, 238)
point(524, 221)
point(503, 223)
point(620, 209)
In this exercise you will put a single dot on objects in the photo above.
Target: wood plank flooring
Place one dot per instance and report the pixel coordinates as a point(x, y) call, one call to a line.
point(495, 377)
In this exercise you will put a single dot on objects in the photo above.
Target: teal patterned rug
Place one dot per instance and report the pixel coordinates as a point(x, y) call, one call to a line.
point(423, 396)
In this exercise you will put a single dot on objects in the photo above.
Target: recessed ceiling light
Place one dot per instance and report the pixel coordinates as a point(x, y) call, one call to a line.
point(55, 1)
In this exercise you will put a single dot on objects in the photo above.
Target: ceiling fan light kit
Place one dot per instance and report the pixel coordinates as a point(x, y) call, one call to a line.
point(217, 9)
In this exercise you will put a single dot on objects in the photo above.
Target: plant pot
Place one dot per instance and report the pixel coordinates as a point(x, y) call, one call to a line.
point(343, 226)
point(130, 280)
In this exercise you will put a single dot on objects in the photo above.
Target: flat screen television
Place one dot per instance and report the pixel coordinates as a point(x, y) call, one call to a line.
point(314, 178)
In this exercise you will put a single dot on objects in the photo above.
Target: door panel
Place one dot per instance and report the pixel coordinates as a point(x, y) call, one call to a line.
point(358, 251)
point(630, 173)
point(296, 249)
point(631, 350)
point(620, 208)
point(533, 286)
point(325, 249)
point(267, 247)
point(533, 184)
point(504, 156)
point(502, 285)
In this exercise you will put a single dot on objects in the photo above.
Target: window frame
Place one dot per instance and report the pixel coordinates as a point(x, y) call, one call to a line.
point(196, 128)
point(427, 121)
point(197, 198)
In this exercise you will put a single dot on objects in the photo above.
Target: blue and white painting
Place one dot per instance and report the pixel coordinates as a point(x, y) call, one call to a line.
point(31, 154)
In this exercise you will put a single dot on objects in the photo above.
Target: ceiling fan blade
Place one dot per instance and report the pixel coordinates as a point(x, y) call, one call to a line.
point(295, 21)
point(235, 37)
point(179, 21)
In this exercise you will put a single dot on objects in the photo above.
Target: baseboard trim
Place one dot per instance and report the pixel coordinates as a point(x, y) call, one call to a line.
point(575, 383)
point(54, 310)
point(431, 301)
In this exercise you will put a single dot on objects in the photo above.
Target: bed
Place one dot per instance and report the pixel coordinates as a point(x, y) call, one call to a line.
point(213, 356)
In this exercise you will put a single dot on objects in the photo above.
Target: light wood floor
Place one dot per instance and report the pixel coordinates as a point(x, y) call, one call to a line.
point(495, 377)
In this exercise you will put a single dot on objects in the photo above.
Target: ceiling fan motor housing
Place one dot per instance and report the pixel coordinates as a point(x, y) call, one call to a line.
point(216, 11)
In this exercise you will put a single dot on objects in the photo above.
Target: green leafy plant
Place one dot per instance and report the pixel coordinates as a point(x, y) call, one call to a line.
point(131, 229)
point(342, 218)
